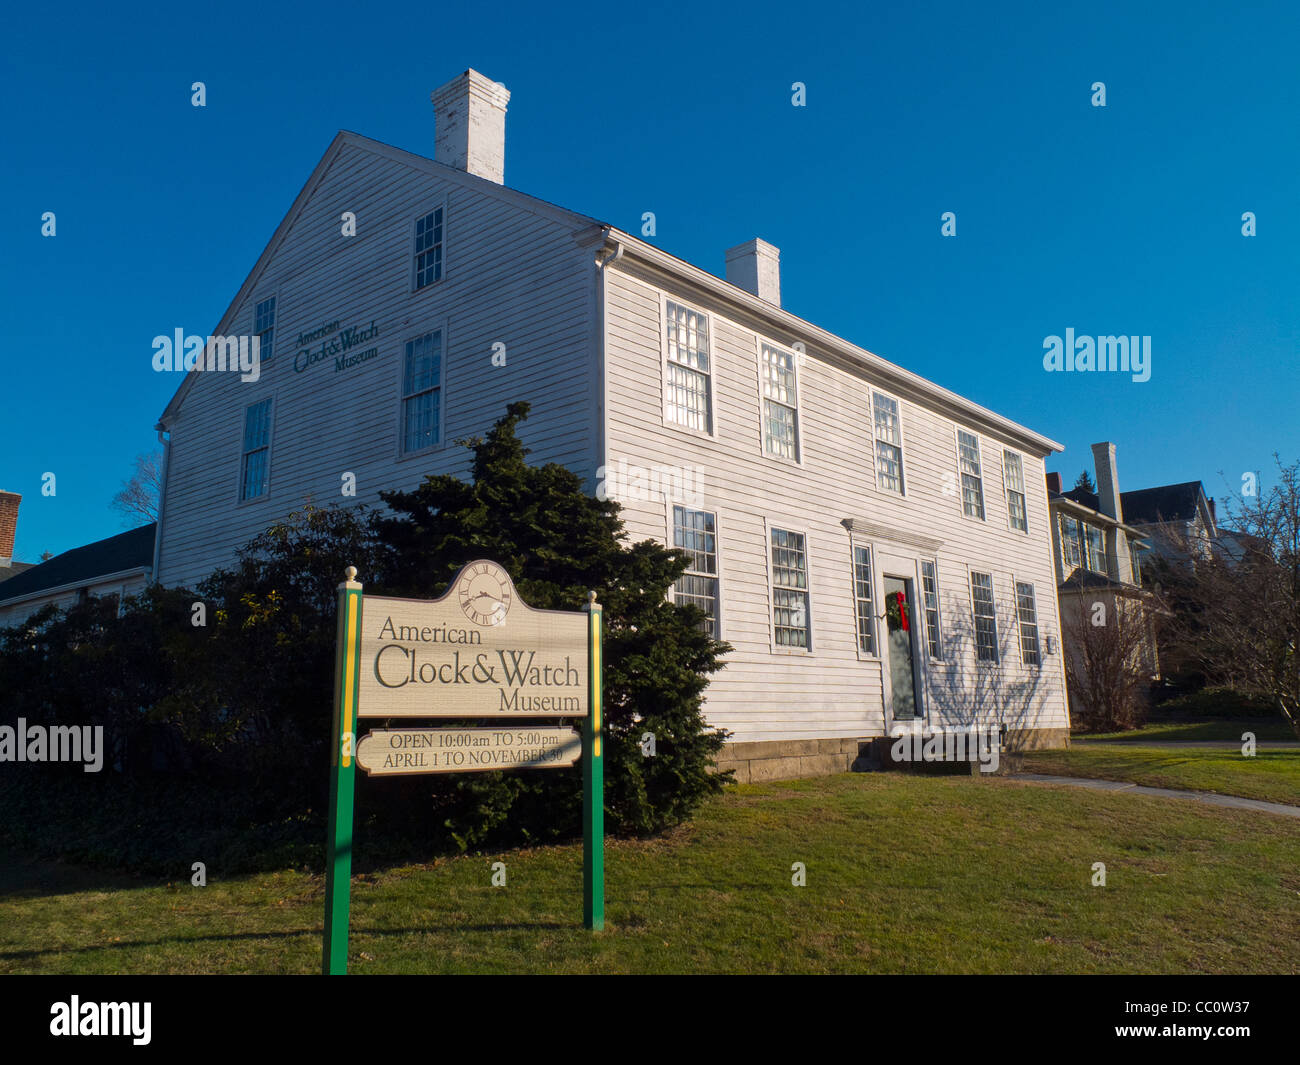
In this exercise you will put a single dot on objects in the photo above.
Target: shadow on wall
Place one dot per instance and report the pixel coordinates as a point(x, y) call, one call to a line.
point(1009, 693)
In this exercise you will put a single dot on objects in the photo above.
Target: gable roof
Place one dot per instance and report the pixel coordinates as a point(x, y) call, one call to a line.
point(594, 231)
point(345, 139)
point(117, 554)
point(1170, 502)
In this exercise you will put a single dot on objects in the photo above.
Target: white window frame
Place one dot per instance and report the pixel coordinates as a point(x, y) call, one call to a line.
point(437, 205)
point(1067, 566)
point(1016, 582)
point(763, 400)
point(441, 387)
point(985, 663)
point(1086, 548)
point(901, 491)
point(961, 491)
point(265, 356)
point(1007, 491)
point(711, 432)
point(856, 545)
point(770, 526)
point(241, 500)
point(933, 563)
point(716, 576)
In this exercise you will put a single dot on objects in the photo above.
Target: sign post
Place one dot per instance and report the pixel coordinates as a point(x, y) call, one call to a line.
point(477, 652)
point(338, 860)
point(593, 783)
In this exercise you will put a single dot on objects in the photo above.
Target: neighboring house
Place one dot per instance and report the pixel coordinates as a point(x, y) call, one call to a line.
point(812, 482)
point(120, 565)
point(1177, 519)
point(1098, 553)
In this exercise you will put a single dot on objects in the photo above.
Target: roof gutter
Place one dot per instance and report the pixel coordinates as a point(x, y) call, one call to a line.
point(914, 385)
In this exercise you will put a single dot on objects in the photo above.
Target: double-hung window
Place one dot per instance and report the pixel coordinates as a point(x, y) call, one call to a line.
point(930, 592)
point(986, 618)
point(1014, 474)
point(1070, 557)
point(422, 392)
point(1095, 545)
point(264, 328)
point(863, 600)
point(428, 248)
point(1027, 612)
point(889, 443)
point(695, 532)
point(688, 385)
point(256, 466)
point(780, 404)
point(790, 589)
point(972, 479)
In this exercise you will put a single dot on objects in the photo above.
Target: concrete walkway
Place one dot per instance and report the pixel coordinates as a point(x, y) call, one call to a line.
point(1260, 745)
point(1207, 797)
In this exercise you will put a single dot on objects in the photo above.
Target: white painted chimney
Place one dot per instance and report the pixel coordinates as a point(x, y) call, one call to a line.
point(755, 266)
point(470, 111)
point(1108, 502)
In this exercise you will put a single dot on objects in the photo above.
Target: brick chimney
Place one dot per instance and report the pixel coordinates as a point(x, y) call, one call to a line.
point(8, 525)
point(1054, 483)
point(470, 112)
point(755, 266)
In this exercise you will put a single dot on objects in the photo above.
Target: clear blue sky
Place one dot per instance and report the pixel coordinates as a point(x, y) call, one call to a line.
point(1122, 219)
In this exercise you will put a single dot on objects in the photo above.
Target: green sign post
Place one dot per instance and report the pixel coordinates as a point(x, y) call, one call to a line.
point(338, 858)
point(409, 658)
point(593, 783)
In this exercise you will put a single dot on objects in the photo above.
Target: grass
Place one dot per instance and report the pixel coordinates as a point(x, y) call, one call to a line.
point(1270, 775)
point(1176, 730)
point(904, 874)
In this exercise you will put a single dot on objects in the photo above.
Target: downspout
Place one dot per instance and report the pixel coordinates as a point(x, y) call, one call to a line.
point(602, 354)
point(164, 439)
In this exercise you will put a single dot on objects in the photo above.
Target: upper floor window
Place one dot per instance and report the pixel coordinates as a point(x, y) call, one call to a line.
point(930, 591)
point(256, 466)
point(1027, 612)
point(972, 479)
point(428, 248)
point(695, 532)
point(863, 599)
point(1095, 547)
point(688, 399)
point(780, 404)
point(422, 392)
point(789, 589)
point(889, 443)
point(264, 327)
point(1070, 557)
point(1136, 562)
point(986, 618)
point(1014, 473)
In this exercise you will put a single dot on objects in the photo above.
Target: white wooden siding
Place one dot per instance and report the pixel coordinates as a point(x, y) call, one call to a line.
point(830, 691)
point(510, 275)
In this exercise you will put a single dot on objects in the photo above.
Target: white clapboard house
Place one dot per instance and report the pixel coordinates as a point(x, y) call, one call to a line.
point(812, 482)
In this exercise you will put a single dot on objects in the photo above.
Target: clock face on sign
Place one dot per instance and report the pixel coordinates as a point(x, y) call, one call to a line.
point(484, 593)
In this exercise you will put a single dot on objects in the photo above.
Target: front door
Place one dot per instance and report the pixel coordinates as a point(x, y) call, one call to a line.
point(900, 627)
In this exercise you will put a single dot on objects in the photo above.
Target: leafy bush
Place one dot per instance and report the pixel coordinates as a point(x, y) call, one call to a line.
point(1218, 702)
point(218, 733)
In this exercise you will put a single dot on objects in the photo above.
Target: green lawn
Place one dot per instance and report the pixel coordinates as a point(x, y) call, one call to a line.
point(1227, 730)
point(904, 874)
point(1270, 775)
